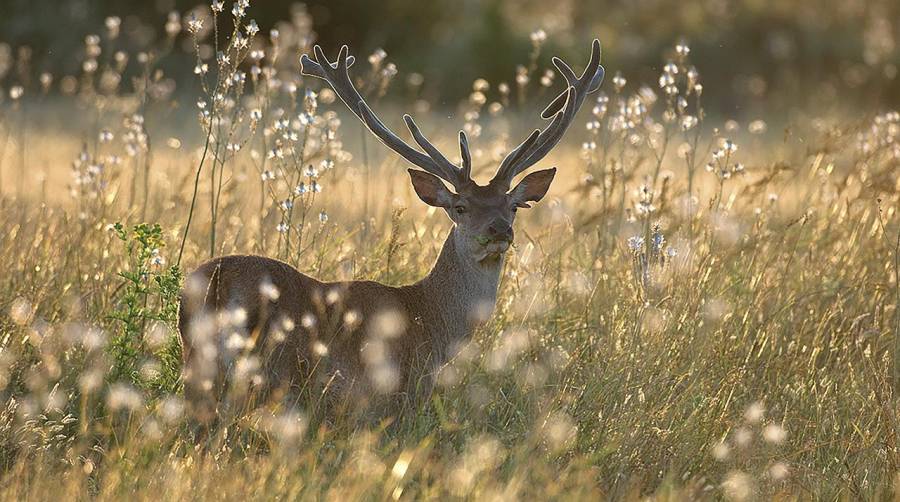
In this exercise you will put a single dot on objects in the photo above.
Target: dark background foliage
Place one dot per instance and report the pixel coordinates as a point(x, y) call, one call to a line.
point(830, 52)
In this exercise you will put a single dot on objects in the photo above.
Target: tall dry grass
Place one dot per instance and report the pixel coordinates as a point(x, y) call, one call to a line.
point(699, 309)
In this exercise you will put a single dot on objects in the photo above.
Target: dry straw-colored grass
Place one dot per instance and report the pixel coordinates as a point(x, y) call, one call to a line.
point(751, 354)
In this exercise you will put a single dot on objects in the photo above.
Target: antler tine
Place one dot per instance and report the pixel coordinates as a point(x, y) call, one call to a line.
point(596, 79)
point(511, 165)
point(377, 127)
point(566, 70)
point(550, 136)
point(314, 69)
point(561, 111)
point(342, 58)
point(452, 172)
point(517, 152)
point(338, 78)
point(465, 154)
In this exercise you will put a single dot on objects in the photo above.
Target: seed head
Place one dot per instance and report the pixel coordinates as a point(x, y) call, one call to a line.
point(113, 23)
point(774, 433)
point(252, 28)
point(635, 243)
point(195, 24)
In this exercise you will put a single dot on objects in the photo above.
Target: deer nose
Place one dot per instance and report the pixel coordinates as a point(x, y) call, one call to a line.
point(500, 231)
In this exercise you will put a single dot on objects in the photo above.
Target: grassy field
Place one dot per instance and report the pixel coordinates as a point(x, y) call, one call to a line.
point(700, 309)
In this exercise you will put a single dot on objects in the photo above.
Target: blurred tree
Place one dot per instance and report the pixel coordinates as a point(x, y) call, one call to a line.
point(784, 49)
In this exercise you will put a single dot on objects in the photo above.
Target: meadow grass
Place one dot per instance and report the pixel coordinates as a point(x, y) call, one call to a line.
point(697, 310)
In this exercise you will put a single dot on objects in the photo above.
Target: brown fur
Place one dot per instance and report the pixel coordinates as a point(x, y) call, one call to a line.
point(434, 315)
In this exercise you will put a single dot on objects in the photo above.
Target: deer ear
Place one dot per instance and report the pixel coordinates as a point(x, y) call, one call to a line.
point(431, 189)
point(533, 187)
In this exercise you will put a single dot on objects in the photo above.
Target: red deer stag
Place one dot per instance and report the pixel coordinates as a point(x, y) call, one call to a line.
point(256, 323)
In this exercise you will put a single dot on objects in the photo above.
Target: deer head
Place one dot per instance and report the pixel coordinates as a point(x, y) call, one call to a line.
point(483, 214)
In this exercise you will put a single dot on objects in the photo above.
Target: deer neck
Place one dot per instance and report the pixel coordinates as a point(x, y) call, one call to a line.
point(459, 294)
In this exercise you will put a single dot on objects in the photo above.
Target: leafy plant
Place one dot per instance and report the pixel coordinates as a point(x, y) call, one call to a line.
point(147, 313)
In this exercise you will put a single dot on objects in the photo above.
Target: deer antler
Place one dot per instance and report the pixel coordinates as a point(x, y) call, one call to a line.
point(431, 161)
point(561, 110)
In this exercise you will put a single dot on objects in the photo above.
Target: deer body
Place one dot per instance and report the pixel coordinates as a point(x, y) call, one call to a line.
point(432, 317)
point(259, 330)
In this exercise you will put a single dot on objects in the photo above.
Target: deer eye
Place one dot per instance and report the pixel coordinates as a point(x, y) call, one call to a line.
point(460, 209)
